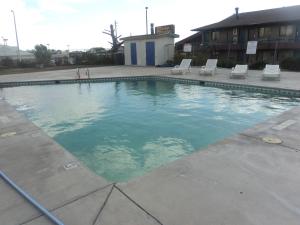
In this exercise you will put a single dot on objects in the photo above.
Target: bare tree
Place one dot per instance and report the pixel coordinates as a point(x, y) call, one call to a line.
point(113, 33)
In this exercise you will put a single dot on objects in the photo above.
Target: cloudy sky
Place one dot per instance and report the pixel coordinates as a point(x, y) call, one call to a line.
point(79, 23)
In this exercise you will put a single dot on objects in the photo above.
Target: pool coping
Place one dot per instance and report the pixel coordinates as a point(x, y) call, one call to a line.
point(217, 84)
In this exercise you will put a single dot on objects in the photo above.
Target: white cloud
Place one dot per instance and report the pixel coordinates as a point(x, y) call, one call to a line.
point(80, 22)
point(56, 6)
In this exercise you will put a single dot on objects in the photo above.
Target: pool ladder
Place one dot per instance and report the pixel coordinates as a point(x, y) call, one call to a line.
point(87, 73)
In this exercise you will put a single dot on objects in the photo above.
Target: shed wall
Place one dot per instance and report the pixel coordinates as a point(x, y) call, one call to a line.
point(164, 50)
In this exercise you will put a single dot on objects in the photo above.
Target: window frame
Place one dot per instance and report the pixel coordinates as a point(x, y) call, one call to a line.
point(264, 32)
point(215, 35)
point(286, 28)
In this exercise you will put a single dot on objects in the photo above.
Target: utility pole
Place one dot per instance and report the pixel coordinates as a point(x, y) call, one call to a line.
point(146, 19)
point(116, 32)
point(18, 47)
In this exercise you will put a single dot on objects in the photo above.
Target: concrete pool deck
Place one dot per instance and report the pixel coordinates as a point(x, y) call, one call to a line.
point(240, 180)
point(289, 80)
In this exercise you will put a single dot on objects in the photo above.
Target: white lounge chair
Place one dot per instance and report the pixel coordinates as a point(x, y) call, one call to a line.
point(183, 68)
point(239, 71)
point(271, 72)
point(209, 68)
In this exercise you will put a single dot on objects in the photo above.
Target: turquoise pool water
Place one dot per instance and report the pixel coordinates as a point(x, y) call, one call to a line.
point(124, 129)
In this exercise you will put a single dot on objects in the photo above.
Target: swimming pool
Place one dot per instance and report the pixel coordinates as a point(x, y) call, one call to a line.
point(124, 129)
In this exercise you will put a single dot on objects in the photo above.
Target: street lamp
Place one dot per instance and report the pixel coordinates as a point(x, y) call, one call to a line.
point(4, 44)
point(146, 19)
point(4, 41)
point(19, 57)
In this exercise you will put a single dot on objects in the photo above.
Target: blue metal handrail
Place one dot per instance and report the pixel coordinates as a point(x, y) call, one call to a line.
point(30, 199)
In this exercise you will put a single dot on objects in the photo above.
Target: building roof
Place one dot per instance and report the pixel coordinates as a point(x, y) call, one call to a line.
point(11, 51)
point(269, 16)
point(189, 38)
point(149, 36)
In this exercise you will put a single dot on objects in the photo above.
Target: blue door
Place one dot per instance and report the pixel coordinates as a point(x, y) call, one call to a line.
point(150, 53)
point(133, 53)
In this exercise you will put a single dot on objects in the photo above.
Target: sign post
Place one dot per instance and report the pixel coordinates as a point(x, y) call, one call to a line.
point(251, 49)
point(187, 47)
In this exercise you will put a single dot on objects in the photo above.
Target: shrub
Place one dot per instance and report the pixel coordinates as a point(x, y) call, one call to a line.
point(92, 59)
point(291, 64)
point(26, 64)
point(7, 62)
point(42, 54)
point(106, 60)
point(259, 65)
point(199, 60)
point(178, 58)
point(226, 63)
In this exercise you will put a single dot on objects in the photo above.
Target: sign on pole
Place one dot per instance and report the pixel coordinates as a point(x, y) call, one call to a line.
point(251, 47)
point(187, 47)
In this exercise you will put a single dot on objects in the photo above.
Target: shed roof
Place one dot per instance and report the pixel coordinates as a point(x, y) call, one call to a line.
point(149, 36)
point(277, 15)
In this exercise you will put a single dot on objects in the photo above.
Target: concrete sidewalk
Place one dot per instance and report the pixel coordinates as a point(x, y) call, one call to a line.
point(289, 80)
point(54, 178)
point(240, 180)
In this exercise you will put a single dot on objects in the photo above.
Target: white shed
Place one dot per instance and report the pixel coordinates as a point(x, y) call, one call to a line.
point(149, 50)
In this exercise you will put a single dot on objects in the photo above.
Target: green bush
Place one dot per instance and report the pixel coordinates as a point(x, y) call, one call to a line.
point(226, 63)
point(26, 64)
point(92, 59)
point(106, 60)
point(178, 58)
point(259, 65)
point(42, 54)
point(7, 62)
point(291, 64)
point(199, 60)
point(88, 58)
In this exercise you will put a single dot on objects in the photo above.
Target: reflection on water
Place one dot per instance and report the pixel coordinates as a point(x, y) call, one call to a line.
point(124, 129)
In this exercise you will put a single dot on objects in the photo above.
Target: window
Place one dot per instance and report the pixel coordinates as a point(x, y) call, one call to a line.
point(206, 37)
point(286, 30)
point(252, 34)
point(265, 32)
point(215, 35)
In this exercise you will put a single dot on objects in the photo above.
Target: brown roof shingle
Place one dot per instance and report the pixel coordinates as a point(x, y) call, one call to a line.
point(187, 39)
point(277, 15)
